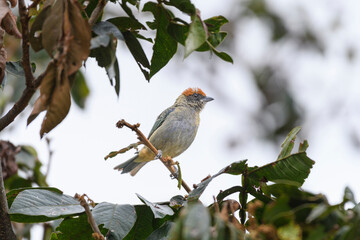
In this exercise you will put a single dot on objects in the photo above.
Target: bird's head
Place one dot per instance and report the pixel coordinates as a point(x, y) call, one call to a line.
point(193, 97)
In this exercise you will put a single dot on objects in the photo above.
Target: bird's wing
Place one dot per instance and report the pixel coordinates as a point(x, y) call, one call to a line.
point(160, 119)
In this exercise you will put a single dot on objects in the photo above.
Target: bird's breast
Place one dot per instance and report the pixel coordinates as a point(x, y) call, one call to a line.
point(177, 132)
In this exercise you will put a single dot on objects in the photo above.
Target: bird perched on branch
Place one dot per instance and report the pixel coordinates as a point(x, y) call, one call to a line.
point(174, 130)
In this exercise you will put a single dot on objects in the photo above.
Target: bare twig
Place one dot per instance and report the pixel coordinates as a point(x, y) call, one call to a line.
point(6, 232)
point(48, 140)
point(18, 107)
point(167, 161)
point(97, 12)
point(24, 19)
point(84, 203)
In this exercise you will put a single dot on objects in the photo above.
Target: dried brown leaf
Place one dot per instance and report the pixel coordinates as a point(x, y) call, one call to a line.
point(52, 30)
point(59, 104)
point(36, 29)
point(8, 19)
point(3, 56)
point(80, 44)
point(46, 89)
point(13, 3)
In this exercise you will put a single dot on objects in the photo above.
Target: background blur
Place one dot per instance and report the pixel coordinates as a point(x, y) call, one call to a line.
point(295, 63)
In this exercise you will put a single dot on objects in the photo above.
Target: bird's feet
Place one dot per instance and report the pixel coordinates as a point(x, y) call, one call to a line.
point(175, 175)
point(159, 155)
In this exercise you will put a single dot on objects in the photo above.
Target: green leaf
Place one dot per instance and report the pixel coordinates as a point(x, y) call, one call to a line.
point(126, 8)
point(27, 157)
point(162, 232)
point(178, 32)
point(159, 211)
point(317, 212)
point(349, 196)
point(196, 193)
point(42, 205)
point(54, 236)
point(195, 222)
point(295, 168)
point(138, 53)
point(143, 226)
point(74, 228)
point(288, 144)
point(79, 90)
point(183, 5)
point(113, 73)
point(196, 37)
point(227, 192)
point(35, 35)
point(223, 55)
point(214, 24)
point(303, 146)
point(105, 56)
point(118, 219)
point(278, 213)
point(290, 231)
point(126, 24)
point(212, 42)
point(16, 182)
point(11, 195)
point(177, 201)
point(235, 168)
point(165, 46)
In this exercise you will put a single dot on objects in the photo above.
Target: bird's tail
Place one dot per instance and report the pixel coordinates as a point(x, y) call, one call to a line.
point(130, 166)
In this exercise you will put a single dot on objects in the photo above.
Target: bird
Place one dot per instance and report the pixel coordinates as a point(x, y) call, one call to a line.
point(173, 132)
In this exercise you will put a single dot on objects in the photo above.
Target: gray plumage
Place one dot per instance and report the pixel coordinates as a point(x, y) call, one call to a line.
point(173, 132)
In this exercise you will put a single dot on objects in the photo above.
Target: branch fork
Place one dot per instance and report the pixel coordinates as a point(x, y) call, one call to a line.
point(167, 161)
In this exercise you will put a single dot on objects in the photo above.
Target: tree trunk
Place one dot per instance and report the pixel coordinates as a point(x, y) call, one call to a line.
point(6, 231)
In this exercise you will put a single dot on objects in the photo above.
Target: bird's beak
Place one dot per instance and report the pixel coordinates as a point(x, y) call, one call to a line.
point(207, 99)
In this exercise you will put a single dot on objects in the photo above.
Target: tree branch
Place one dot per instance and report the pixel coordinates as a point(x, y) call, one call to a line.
point(18, 107)
point(97, 12)
point(31, 83)
point(24, 19)
point(168, 162)
point(97, 234)
point(6, 231)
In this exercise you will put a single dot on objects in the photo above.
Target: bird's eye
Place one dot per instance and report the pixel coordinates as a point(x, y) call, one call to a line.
point(196, 95)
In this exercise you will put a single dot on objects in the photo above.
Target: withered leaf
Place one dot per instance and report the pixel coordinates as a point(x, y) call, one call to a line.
point(36, 29)
point(59, 104)
point(52, 30)
point(80, 44)
point(3, 56)
point(8, 19)
point(46, 89)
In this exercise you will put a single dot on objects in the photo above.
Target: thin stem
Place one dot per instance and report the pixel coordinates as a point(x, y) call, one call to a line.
point(6, 231)
point(24, 19)
point(166, 161)
point(18, 107)
point(243, 198)
point(97, 12)
point(97, 234)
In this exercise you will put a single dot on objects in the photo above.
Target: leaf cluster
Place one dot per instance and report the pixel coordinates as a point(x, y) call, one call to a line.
point(270, 205)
